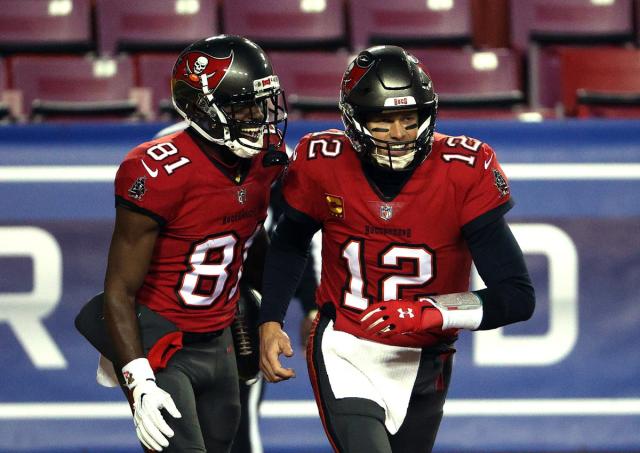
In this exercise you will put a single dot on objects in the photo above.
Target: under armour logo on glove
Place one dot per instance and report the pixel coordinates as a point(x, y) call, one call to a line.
point(395, 317)
point(408, 313)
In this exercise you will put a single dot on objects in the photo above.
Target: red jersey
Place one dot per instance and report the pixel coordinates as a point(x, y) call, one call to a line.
point(208, 221)
point(411, 246)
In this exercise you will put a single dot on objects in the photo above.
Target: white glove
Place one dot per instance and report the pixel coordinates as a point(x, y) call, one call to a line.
point(148, 399)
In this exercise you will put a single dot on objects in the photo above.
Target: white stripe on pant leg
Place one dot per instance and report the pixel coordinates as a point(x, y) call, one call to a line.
point(252, 412)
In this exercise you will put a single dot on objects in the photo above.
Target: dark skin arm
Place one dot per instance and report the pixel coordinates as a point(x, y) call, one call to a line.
point(132, 245)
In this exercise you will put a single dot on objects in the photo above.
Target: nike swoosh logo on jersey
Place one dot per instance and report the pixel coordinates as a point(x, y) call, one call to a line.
point(488, 162)
point(153, 173)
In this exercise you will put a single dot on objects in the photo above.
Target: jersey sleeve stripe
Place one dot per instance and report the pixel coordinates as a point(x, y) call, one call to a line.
point(487, 217)
point(122, 202)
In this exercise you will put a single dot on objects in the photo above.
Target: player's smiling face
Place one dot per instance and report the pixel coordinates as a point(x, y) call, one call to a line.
point(250, 113)
point(395, 133)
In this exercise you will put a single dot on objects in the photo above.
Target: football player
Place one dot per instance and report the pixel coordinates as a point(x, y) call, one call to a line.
point(403, 211)
point(188, 208)
point(252, 390)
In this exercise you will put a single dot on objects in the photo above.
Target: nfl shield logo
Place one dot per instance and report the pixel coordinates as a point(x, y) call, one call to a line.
point(242, 195)
point(386, 212)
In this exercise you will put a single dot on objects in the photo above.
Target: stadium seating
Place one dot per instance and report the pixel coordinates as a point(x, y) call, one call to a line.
point(311, 81)
point(56, 87)
point(637, 21)
point(414, 22)
point(4, 107)
point(468, 83)
point(601, 82)
point(154, 72)
point(45, 26)
point(570, 22)
point(538, 26)
point(529, 70)
point(490, 24)
point(165, 25)
point(287, 24)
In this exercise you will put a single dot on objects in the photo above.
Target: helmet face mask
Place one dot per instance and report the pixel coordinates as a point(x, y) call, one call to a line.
point(225, 88)
point(253, 121)
point(398, 153)
point(383, 80)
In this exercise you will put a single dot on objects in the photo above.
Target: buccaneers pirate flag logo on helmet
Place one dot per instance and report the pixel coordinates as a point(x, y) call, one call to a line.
point(202, 71)
point(356, 70)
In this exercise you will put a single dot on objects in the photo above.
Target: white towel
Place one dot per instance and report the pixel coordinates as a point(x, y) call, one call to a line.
point(378, 372)
point(106, 374)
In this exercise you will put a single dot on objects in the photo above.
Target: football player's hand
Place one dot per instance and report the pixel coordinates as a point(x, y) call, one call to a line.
point(395, 317)
point(148, 399)
point(273, 342)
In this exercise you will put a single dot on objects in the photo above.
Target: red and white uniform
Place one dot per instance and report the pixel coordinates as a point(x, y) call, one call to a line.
point(208, 222)
point(405, 248)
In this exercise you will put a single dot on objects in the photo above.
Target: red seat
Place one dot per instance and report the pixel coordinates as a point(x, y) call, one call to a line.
point(600, 81)
point(478, 81)
point(630, 111)
point(287, 24)
point(78, 87)
point(411, 22)
point(311, 80)
point(570, 22)
point(38, 25)
point(154, 72)
point(165, 25)
point(523, 114)
point(539, 25)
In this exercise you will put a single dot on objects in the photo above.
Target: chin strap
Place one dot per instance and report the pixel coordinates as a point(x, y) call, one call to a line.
point(394, 162)
point(240, 150)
